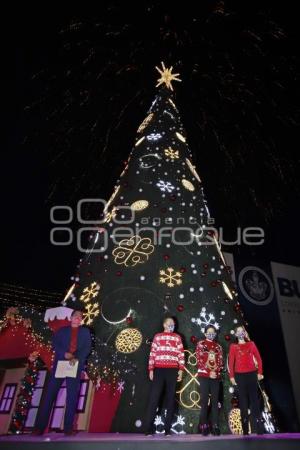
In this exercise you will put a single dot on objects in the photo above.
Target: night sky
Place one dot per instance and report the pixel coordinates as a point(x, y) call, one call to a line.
point(82, 84)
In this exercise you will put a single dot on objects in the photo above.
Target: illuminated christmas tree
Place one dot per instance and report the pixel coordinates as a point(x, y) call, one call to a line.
point(154, 253)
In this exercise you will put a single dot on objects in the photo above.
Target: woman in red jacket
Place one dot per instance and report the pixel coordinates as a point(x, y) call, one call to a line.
point(210, 364)
point(245, 369)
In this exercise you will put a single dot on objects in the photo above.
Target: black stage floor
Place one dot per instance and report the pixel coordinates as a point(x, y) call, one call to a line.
point(118, 441)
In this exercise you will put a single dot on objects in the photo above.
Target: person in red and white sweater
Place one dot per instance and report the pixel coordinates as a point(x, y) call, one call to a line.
point(166, 363)
point(210, 364)
point(245, 369)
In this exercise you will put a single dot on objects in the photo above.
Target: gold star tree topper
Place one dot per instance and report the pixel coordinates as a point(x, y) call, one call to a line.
point(166, 76)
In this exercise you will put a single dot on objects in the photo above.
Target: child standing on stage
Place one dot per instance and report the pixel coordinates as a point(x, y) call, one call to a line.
point(243, 359)
point(166, 363)
point(210, 364)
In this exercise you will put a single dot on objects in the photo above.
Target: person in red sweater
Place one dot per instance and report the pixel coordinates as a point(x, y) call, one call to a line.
point(210, 364)
point(166, 363)
point(245, 369)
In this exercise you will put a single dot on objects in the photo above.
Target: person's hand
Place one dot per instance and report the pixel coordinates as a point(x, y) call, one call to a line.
point(212, 374)
point(179, 378)
point(73, 361)
point(151, 375)
point(69, 355)
point(232, 381)
point(260, 376)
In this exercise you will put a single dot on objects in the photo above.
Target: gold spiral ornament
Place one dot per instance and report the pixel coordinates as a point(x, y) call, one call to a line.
point(129, 340)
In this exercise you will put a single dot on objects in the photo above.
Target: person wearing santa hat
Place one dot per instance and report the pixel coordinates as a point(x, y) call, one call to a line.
point(71, 343)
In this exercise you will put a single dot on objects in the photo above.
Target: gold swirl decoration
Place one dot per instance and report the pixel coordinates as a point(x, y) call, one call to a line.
point(189, 396)
point(129, 340)
point(133, 251)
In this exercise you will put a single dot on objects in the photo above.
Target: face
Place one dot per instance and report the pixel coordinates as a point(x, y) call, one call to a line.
point(76, 319)
point(210, 333)
point(169, 325)
point(240, 332)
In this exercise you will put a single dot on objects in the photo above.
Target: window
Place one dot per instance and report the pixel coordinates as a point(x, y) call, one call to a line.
point(84, 387)
point(59, 406)
point(7, 398)
point(36, 399)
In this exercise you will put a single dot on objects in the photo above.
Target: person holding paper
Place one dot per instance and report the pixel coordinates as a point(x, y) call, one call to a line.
point(72, 345)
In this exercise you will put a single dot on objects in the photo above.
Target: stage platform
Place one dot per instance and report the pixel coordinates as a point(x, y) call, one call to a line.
point(118, 441)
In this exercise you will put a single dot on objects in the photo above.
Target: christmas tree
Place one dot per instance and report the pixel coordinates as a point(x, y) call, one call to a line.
point(155, 253)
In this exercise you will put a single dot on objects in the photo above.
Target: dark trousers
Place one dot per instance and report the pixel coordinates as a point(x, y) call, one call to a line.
point(162, 378)
point(51, 393)
point(248, 397)
point(209, 386)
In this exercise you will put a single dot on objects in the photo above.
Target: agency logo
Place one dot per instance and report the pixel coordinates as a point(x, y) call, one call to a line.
point(256, 286)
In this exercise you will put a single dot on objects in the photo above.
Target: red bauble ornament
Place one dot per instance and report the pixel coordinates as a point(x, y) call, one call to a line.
point(89, 274)
point(182, 269)
point(213, 283)
point(205, 265)
point(166, 257)
point(180, 308)
point(119, 273)
point(227, 337)
point(193, 339)
point(129, 319)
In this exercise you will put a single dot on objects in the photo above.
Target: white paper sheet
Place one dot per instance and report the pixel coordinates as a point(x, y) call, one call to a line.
point(65, 369)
